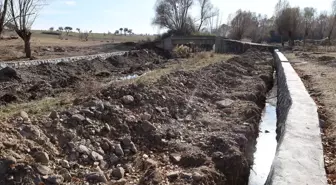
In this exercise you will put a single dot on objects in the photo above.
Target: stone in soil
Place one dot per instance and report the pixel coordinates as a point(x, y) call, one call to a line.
point(41, 157)
point(65, 174)
point(43, 170)
point(96, 177)
point(128, 99)
point(83, 149)
point(96, 156)
point(224, 103)
point(53, 115)
point(77, 118)
point(118, 150)
point(118, 173)
point(24, 115)
point(64, 163)
point(173, 175)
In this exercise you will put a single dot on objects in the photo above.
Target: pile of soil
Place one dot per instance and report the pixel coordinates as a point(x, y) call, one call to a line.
point(196, 127)
point(326, 58)
point(36, 82)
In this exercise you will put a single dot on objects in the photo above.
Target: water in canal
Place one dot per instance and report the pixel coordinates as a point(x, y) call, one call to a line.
point(266, 142)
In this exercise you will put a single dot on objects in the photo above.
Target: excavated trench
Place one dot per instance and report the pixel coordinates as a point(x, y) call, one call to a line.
point(266, 142)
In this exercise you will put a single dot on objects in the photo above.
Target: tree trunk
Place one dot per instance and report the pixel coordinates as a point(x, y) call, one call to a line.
point(3, 16)
point(282, 41)
point(331, 30)
point(27, 47)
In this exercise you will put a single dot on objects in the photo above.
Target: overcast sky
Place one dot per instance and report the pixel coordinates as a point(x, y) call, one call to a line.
point(110, 15)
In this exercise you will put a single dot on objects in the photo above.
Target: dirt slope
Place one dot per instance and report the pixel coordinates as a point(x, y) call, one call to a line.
point(195, 127)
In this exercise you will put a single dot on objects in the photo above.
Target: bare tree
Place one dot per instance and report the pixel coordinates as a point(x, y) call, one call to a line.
point(207, 12)
point(215, 22)
point(174, 15)
point(281, 18)
point(3, 12)
point(333, 20)
point(240, 24)
point(308, 16)
point(23, 14)
point(320, 26)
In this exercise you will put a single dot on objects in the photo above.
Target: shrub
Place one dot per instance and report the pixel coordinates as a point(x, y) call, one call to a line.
point(182, 51)
point(51, 33)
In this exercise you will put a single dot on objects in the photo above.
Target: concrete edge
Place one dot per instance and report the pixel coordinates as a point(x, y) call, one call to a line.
point(299, 156)
point(18, 64)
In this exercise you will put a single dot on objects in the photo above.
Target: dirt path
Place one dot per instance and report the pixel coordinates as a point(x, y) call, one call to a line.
point(195, 125)
point(318, 72)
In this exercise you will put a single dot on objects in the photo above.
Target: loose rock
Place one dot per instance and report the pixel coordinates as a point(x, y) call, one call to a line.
point(55, 179)
point(64, 164)
point(148, 126)
point(83, 149)
point(24, 115)
point(96, 156)
point(65, 174)
point(118, 150)
point(173, 175)
point(118, 173)
point(54, 115)
point(128, 99)
point(78, 118)
point(224, 103)
point(176, 158)
point(41, 157)
point(43, 170)
point(96, 177)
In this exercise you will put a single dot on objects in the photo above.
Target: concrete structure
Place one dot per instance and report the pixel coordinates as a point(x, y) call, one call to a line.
point(200, 41)
point(299, 156)
point(223, 45)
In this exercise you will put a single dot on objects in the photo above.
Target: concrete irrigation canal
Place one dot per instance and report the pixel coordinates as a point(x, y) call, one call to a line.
point(139, 117)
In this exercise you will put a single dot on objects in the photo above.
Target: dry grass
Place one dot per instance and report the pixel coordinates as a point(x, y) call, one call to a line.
point(199, 60)
point(322, 79)
point(38, 107)
point(39, 39)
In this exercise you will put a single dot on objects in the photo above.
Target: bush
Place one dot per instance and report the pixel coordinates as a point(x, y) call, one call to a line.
point(51, 33)
point(182, 51)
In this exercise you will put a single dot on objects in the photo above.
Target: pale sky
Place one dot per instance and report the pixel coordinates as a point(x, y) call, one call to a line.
point(110, 15)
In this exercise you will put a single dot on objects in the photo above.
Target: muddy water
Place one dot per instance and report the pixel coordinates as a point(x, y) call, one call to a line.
point(266, 142)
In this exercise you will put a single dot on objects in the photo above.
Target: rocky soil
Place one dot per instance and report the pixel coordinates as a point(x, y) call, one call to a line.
point(195, 127)
point(36, 82)
point(318, 74)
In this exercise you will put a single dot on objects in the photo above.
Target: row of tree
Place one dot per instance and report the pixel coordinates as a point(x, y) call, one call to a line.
point(287, 23)
point(125, 30)
point(68, 29)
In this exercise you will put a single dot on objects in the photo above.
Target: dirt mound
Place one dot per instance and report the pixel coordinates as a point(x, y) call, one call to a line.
point(153, 45)
point(51, 79)
point(326, 58)
point(7, 74)
point(196, 127)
